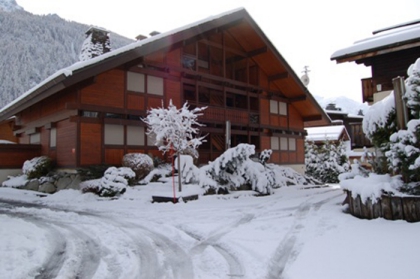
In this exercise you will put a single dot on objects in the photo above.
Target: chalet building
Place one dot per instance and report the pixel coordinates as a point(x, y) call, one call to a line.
point(89, 113)
point(389, 52)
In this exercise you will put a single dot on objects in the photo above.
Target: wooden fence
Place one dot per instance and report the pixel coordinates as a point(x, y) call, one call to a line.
point(388, 207)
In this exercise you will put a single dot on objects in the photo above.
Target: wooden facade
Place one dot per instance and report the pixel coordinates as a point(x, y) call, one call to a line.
point(388, 54)
point(227, 64)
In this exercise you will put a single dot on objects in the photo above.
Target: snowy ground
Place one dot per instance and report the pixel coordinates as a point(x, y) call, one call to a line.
point(295, 233)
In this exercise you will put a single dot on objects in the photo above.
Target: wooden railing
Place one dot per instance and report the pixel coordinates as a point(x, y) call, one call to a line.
point(215, 114)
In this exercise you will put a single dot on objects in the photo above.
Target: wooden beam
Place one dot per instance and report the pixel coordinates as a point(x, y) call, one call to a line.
point(297, 99)
point(256, 52)
point(312, 118)
point(278, 76)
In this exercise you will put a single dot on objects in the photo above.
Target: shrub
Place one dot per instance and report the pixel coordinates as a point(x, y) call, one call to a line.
point(37, 167)
point(141, 164)
point(115, 181)
point(92, 172)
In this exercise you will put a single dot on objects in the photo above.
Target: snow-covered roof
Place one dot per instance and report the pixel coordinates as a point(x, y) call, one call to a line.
point(393, 36)
point(325, 133)
point(68, 71)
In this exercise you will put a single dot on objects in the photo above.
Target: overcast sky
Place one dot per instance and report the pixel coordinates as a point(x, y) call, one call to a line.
point(305, 32)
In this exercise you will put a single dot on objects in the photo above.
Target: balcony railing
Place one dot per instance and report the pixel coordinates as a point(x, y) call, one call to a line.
point(240, 117)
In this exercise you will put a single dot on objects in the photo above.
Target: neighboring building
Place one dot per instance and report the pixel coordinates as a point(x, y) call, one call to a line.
point(333, 134)
point(89, 113)
point(389, 53)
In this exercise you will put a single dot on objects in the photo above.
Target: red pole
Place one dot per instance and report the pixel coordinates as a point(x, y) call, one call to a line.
point(173, 173)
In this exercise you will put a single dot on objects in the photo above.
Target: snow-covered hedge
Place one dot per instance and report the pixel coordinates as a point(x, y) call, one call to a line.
point(115, 181)
point(37, 167)
point(141, 164)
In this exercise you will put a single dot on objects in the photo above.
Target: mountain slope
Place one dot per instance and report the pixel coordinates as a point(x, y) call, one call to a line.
point(345, 104)
point(33, 47)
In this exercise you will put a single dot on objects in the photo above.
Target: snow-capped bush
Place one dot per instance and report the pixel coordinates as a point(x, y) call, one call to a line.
point(265, 155)
point(233, 169)
point(404, 153)
point(189, 172)
point(37, 167)
point(325, 162)
point(141, 164)
point(163, 170)
point(115, 181)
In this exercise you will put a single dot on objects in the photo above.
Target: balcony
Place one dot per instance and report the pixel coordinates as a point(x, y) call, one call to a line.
point(235, 116)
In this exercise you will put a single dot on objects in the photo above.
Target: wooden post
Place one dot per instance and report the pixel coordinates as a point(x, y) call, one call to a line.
point(400, 107)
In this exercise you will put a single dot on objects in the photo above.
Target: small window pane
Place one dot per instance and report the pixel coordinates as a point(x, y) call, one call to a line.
point(53, 137)
point(114, 134)
point(283, 144)
point(135, 135)
point(135, 82)
point(282, 108)
point(155, 85)
point(274, 107)
point(292, 144)
point(35, 138)
point(275, 143)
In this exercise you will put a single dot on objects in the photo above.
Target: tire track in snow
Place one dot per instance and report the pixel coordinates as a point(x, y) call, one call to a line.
point(236, 269)
point(285, 251)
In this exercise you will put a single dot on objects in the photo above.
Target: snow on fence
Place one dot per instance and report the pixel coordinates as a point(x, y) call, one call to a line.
point(388, 207)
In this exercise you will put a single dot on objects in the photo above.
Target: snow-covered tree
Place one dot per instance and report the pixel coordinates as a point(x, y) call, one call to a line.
point(175, 129)
point(412, 88)
point(327, 161)
point(115, 181)
point(404, 153)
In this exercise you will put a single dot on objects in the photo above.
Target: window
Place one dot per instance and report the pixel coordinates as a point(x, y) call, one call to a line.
point(155, 85)
point(135, 135)
point(292, 144)
point(151, 139)
point(135, 82)
point(274, 107)
point(283, 144)
point(278, 107)
point(282, 108)
point(93, 114)
point(114, 134)
point(53, 137)
point(275, 143)
point(35, 138)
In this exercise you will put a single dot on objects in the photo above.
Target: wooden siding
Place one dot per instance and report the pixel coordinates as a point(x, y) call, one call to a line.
point(66, 143)
point(135, 101)
point(6, 131)
point(173, 92)
point(295, 119)
point(113, 156)
point(14, 155)
point(108, 90)
point(90, 144)
point(300, 151)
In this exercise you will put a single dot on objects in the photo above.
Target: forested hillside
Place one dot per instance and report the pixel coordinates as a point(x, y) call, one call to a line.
point(33, 47)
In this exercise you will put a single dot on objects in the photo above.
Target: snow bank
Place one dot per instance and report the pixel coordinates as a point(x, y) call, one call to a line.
point(373, 186)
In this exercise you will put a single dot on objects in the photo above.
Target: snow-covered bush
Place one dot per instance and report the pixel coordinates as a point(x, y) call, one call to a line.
point(325, 162)
point(265, 156)
point(189, 172)
point(233, 169)
point(161, 171)
point(404, 154)
point(37, 167)
point(115, 181)
point(141, 164)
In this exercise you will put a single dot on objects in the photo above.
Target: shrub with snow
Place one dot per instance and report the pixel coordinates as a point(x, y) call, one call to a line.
point(233, 169)
point(37, 167)
point(412, 88)
point(189, 172)
point(141, 164)
point(325, 162)
point(115, 181)
point(265, 156)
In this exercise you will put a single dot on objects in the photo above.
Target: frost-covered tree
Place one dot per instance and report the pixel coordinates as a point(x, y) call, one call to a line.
point(327, 161)
point(412, 88)
point(175, 129)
